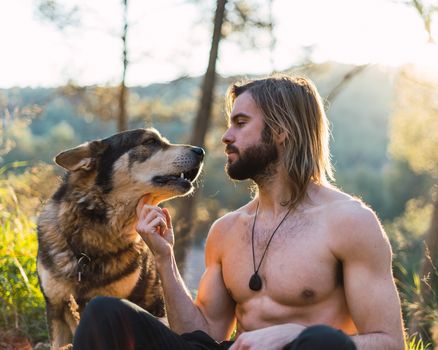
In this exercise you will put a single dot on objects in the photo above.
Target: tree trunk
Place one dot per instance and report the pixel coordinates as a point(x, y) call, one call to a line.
point(345, 79)
point(203, 116)
point(200, 128)
point(122, 122)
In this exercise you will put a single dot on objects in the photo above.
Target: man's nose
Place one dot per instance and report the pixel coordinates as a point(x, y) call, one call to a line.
point(227, 138)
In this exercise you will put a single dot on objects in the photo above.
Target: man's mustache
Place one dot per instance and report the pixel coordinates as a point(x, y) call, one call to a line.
point(231, 148)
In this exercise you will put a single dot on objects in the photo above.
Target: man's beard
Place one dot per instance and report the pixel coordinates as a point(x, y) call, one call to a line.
point(257, 162)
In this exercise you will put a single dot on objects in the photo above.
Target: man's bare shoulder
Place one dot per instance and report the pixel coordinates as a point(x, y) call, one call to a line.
point(353, 225)
point(223, 227)
point(340, 206)
point(224, 223)
point(345, 210)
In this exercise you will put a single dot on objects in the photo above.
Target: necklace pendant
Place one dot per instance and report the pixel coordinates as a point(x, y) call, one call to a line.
point(255, 283)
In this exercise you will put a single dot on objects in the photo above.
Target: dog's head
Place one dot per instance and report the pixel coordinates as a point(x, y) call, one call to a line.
point(134, 163)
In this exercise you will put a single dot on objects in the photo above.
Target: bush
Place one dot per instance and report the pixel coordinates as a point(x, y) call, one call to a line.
point(22, 307)
point(407, 237)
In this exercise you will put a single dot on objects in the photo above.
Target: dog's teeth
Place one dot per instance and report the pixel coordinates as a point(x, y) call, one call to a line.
point(182, 176)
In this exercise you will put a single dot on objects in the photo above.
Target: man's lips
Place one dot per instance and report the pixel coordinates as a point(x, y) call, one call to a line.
point(232, 153)
point(231, 150)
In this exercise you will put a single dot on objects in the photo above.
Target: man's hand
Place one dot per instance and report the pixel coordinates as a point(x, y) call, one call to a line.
point(155, 227)
point(272, 338)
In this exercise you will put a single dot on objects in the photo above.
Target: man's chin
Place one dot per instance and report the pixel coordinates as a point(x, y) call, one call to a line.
point(234, 175)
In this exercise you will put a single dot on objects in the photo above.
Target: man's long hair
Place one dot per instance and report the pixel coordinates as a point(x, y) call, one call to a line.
point(293, 105)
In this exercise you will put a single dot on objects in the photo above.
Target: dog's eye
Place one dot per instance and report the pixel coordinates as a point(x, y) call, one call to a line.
point(150, 142)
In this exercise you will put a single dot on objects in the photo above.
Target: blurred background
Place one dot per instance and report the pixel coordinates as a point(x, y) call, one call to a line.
point(74, 71)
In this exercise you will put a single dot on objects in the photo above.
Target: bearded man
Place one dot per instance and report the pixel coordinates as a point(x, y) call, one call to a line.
point(301, 266)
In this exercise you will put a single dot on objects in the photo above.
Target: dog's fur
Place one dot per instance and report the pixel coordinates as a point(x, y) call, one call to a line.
point(86, 233)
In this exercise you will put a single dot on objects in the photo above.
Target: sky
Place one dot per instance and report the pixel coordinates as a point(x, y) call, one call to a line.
point(171, 38)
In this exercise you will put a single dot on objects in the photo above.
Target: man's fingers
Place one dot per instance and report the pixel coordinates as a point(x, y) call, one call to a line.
point(156, 224)
point(155, 212)
point(142, 204)
point(168, 218)
point(159, 224)
point(146, 210)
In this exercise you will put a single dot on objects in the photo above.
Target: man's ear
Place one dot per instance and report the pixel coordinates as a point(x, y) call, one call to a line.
point(82, 157)
point(280, 137)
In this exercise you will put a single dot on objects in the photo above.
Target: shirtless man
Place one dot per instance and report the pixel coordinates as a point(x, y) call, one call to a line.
point(301, 266)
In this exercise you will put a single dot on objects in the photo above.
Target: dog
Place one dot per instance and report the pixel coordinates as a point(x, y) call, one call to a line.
point(87, 243)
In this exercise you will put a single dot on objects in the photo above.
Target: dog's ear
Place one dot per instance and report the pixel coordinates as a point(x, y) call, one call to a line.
point(82, 157)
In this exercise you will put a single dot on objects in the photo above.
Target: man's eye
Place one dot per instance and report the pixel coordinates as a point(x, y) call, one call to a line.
point(240, 124)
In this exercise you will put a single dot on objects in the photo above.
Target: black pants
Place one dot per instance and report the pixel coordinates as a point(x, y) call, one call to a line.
point(114, 324)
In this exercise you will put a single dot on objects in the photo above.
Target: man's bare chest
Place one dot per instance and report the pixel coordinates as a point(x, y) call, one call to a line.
point(298, 267)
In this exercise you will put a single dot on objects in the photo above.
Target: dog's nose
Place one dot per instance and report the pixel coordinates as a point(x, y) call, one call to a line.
point(199, 151)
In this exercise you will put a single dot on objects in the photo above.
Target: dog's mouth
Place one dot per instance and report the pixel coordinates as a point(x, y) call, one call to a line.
point(183, 179)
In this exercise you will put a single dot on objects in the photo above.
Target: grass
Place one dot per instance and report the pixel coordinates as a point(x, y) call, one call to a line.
point(22, 307)
point(416, 343)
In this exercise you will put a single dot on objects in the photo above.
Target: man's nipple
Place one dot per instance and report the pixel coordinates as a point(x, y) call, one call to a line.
point(308, 295)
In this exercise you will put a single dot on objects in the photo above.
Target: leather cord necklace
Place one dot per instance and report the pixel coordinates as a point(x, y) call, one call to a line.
point(255, 282)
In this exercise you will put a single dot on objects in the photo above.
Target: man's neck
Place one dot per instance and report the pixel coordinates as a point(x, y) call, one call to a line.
point(274, 193)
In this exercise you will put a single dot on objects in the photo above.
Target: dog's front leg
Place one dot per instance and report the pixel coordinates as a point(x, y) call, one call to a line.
point(60, 333)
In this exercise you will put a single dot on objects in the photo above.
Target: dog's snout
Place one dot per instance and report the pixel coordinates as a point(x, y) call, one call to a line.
point(198, 151)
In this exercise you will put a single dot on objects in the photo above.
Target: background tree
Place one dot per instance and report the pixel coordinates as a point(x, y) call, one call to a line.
point(414, 138)
point(235, 16)
point(200, 127)
point(426, 10)
point(122, 120)
point(62, 16)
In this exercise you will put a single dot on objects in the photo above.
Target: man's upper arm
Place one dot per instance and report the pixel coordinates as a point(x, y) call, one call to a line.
point(213, 298)
point(365, 252)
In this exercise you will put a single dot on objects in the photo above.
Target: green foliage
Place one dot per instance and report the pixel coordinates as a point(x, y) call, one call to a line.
point(21, 301)
point(414, 139)
point(415, 343)
point(415, 123)
point(406, 233)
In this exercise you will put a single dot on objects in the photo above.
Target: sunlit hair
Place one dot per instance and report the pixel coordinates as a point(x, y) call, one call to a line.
point(292, 105)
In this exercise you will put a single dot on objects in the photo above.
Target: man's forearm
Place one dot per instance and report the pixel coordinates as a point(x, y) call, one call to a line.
point(380, 341)
point(182, 313)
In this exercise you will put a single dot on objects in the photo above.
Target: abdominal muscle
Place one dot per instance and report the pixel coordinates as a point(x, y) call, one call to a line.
point(262, 311)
